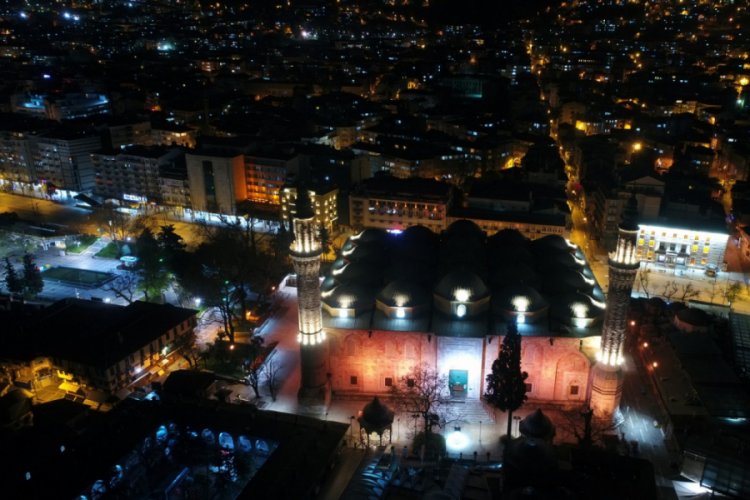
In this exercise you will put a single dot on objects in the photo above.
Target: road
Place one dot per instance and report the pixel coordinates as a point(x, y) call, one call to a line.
point(83, 220)
point(640, 408)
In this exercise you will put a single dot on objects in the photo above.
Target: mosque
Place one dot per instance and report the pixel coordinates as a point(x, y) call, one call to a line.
point(393, 301)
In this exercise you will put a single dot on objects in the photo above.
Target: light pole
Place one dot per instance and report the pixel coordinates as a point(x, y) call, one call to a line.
point(480, 433)
point(398, 429)
point(351, 428)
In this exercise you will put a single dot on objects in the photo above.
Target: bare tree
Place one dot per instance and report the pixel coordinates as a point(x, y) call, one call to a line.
point(424, 392)
point(714, 290)
point(670, 289)
point(580, 424)
point(730, 292)
point(124, 286)
point(688, 291)
point(272, 373)
point(644, 280)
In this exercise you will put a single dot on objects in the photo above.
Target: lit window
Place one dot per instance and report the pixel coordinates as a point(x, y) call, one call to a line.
point(461, 310)
point(706, 249)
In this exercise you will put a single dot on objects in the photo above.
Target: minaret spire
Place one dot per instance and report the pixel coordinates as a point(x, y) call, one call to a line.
point(305, 252)
point(623, 267)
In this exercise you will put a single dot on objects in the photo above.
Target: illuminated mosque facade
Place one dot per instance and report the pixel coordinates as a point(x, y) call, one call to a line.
point(391, 302)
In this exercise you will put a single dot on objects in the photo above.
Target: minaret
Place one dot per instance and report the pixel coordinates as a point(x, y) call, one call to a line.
point(305, 252)
point(606, 388)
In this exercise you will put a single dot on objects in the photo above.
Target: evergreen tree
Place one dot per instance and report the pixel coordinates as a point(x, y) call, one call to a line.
point(13, 283)
point(33, 284)
point(154, 278)
point(506, 385)
point(171, 246)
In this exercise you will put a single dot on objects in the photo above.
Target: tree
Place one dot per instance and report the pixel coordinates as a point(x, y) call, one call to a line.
point(13, 282)
point(587, 430)
point(154, 278)
point(124, 286)
point(670, 288)
point(33, 284)
point(506, 385)
point(272, 371)
point(255, 363)
point(688, 291)
point(171, 246)
point(731, 292)
point(644, 279)
point(424, 392)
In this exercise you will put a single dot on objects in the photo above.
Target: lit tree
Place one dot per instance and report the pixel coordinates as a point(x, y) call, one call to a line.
point(644, 280)
point(506, 385)
point(124, 286)
point(731, 292)
point(13, 282)
point(255, 363)
point(33, 284)
point(424, 392)
point(272, 372)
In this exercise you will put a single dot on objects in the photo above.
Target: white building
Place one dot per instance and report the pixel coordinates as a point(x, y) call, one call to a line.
point(698, 246)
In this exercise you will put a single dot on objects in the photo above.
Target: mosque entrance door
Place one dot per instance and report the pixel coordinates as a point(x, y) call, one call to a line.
point(458, 383)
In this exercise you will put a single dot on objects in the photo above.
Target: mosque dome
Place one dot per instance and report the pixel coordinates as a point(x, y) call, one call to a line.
point(520, 302)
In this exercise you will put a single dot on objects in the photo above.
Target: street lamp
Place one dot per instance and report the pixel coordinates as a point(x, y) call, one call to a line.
point(480, 432)
point(351, 427)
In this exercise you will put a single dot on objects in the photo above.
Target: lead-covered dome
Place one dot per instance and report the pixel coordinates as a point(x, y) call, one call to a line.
point(520, 302)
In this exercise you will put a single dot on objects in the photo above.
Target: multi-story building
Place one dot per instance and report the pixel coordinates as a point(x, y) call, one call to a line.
point(217, 180)
point(266, 172)
point(61, 107)
point(133, 173)
point(698, 244)
point(174, 185)
point(169, 134)
point(91, 346)
point(16, 159)
point(396, 204)
point(62, 160)
point(129, 133)
point(323, 201)
point(606, 207)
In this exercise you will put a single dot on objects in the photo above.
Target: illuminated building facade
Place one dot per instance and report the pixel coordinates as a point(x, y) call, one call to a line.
point(217, 180)
point(323, 201)
point(697, 246)
point(131, 174)
point(395, 301)
point(266, 174)
point(391, 203)
point(61, 107)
